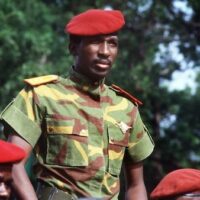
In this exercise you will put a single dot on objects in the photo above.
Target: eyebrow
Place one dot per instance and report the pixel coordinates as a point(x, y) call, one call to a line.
point(6, 180)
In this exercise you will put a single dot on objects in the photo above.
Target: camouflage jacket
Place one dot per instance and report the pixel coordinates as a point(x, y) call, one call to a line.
point(80, 133)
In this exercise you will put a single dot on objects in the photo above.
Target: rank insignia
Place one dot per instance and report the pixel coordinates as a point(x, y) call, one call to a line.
point(123, 126)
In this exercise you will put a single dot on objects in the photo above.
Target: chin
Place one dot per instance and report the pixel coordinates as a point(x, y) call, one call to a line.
point(96, 78)
point(101, 75)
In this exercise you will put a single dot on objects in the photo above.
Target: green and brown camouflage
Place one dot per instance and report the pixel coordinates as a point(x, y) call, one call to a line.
point(80, 133)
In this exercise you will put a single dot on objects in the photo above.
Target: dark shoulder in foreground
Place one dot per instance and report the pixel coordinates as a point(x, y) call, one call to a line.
point(125, 94)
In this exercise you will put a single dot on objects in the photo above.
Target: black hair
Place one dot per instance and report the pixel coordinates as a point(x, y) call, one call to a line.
point(76, 39)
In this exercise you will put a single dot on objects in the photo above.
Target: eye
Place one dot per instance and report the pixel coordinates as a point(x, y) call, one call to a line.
point(95, 42)
point(113, 43)
point(9, 182)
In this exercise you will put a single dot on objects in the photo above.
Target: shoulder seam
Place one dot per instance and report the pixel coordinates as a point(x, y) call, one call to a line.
point(124, 93)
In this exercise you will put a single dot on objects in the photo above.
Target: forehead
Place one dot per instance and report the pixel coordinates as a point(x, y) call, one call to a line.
point(112, 36)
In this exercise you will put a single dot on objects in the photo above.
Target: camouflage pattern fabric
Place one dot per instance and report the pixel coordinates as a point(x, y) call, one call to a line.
point(80, 133)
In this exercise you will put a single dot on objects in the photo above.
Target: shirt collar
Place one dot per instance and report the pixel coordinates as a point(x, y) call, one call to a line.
point(84, 83)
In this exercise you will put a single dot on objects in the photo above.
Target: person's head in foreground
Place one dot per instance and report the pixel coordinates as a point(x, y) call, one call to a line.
point(94, 41)
point(9, 155)
point(181, 184)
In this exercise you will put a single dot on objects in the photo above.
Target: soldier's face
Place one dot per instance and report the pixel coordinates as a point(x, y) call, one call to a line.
point(95, 55)
point(5, 181)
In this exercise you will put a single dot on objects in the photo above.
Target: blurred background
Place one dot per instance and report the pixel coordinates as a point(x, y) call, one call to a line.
point(159, 63)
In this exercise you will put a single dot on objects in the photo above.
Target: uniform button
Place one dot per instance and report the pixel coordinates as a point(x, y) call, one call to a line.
point(50, 129)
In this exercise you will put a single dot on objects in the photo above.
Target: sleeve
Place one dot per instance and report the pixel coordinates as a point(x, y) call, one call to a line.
point(24, 116)
point(141, 143)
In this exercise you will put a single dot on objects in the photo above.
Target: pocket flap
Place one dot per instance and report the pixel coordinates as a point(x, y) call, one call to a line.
point(55, 126)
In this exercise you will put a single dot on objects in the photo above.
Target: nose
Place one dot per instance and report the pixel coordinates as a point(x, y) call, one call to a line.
point(104, 49)
point(4, 191)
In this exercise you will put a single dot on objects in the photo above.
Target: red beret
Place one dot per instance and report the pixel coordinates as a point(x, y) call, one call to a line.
point(176, 183)
point(10, 153)
point(95, 22)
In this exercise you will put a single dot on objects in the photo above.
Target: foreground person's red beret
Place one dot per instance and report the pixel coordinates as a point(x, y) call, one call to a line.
point(95, 22)
point(10, 153)
point(178, 182)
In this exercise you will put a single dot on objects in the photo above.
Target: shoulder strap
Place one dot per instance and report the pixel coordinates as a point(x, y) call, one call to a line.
point(41, 80)
point(126, 94)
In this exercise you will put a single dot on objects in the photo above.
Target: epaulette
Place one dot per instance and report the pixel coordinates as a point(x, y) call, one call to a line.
point(41, 80)
point(126, 94)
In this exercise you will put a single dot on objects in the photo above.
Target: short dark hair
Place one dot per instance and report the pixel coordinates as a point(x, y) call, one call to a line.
point(76, 39)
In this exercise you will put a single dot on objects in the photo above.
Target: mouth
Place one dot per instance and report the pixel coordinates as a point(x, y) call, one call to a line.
point(103, 64)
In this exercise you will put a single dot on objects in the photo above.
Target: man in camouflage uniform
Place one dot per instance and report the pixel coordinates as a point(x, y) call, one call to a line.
point(81, 130)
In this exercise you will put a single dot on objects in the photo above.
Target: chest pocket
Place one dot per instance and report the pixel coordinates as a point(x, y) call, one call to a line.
point(118, 141)
point(66, 145)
